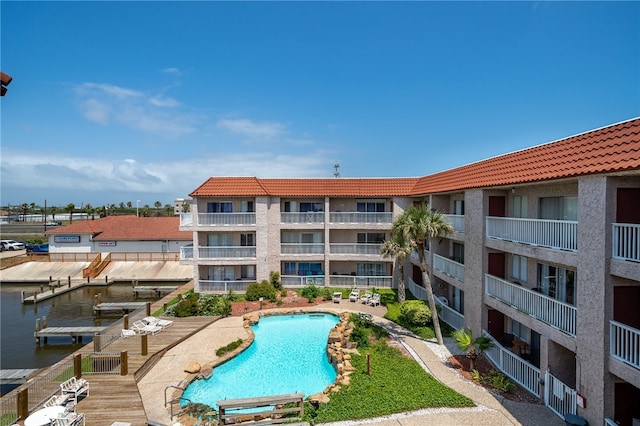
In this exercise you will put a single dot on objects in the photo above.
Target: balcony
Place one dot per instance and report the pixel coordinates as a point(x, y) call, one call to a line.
point(224, 286)
point(222, 219)
point(559, 315)
point(626, 241)
point(186, 253)
point(624, 343)
point(361, 218)
point(555, 234)
point(306, 217)
point(452, 317)
point(186, 219)
point(360, 281)
point(302, 248)
point(357, 249)
point(456, 220)
point(227, 252)
point(448, 267)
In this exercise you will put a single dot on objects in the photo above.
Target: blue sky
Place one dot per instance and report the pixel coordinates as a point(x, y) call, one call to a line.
point(123, 101)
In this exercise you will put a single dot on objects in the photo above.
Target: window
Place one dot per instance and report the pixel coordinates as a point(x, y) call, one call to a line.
point(458, 253)
point(311, 207)
point(518, 330)
point(458, 207)
point(220, 240)
point(301, 237)
point(302, 268)
point(370, 237)
point(248, 271)
point(558, 283)
point(371, 269)
point(558, 208)
point(247, 240)
point(247, 207)
point(519, 268)
point(520, 206)
point(458, 300)
point(221, 273)
point(220, 207)
point(370, 206)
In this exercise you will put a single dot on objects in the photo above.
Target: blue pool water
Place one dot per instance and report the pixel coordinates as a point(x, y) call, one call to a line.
point(288, 355)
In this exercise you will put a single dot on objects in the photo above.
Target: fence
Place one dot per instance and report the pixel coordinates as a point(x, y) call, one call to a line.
point(560, 398)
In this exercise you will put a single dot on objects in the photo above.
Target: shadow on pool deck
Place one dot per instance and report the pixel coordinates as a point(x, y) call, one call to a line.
point(201, 347)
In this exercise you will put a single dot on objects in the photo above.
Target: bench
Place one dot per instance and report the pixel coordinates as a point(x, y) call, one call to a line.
point(74, 388)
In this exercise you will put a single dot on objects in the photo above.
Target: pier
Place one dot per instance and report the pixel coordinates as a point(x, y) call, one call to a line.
point(156, 290)
point(57, 287)
point(117, 307)
point(16, 376)
point(76, 333)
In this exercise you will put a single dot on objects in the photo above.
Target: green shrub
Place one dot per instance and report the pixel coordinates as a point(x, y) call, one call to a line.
point(188, 306)
point(310, 292)
point(229, 348)
point(274, 279)
point(326, 293)
point(500, 382)
point(415, 312)
point(262, 289)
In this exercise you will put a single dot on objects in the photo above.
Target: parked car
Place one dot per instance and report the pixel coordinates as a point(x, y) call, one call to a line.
point(38, 248)
point(54, 223)
point(12, 245)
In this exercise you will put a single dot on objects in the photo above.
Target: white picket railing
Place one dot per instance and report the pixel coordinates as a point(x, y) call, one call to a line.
point(360, 217)
point(298, 281)
point(186, 253)
point(546, 309)
point(300, 248)
point(624, 343)
point(418, 291)
point(306, 217)
point(516, 368)
point(448, 267)
point(456, 220)
point(626, 241)
point(226, 219)
point(360, 281)
point(560, 398)
point(449, 315)
point(556, 234)
point(227, 252)
point(224, 286)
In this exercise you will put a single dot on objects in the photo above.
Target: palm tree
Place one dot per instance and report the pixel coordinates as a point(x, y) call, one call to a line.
point(185, 207)
point(397, 248)
point(157, 205)
point(419, 225)
point(129, 204)
point(473, 347)
point(53, 210)
point(168, 208)
point(70, 208)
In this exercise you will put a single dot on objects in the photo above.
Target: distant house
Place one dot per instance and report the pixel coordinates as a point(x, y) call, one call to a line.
point(120, 234)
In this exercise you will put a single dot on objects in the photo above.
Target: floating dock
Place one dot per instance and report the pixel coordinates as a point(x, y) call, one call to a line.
point(117, 307)
point(156, 290)
point(16, 376)
point(76, 333)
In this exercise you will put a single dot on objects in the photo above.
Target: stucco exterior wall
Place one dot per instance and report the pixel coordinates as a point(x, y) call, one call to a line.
point(475, 260)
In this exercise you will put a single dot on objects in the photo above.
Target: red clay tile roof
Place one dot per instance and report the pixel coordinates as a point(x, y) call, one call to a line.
point(127, 228)
point(332, 187)
point(610, 149)
point(615, 148)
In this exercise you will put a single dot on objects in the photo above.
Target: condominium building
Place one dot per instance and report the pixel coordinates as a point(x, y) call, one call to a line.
point(545, 257)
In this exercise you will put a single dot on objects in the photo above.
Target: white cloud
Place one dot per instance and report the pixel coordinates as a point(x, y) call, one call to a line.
point(173, 71)
point(106, 104)
point(253, 129)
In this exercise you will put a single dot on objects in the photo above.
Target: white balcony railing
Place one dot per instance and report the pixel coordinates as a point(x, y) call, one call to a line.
point(559, 397)
point(449, 315)
point(546, 309)
point(297, 281)
point(186, 253)
point(414, 256)
point(360, 217)
point(224, 286)
point(360, 249)
point(186, 219)
point(555, 234)
point(227, 252)
point(624, 343)
point(517, 369)
point(306, 217)
point(456, 220)
point(626, 241)
point(448, 267)
point(300, 248)
point(360, 281)
point(226, 219)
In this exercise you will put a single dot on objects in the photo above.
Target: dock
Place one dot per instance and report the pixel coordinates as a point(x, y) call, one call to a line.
point(16, 376)
point(76, 333)
point(117, 307)
point(156, 290)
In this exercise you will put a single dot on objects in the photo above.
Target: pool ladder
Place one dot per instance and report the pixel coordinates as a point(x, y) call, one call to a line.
point(172, 402)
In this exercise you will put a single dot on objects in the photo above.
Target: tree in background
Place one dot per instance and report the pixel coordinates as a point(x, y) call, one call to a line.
point(129, 204)
point(398, 248)
point(53, 211)
point(168, 208)
point(69, 209)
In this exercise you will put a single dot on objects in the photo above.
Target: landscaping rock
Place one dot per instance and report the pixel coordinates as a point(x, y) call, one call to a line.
point(193, 367)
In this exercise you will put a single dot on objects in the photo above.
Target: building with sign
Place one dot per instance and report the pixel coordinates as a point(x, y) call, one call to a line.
point(119, 234)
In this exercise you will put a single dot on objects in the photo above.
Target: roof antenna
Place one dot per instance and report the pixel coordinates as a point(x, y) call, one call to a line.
point(336, 173)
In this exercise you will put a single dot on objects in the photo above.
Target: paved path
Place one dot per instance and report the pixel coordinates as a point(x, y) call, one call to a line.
point(490, 410)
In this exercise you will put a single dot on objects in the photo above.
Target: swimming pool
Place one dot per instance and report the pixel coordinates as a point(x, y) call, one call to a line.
point(288, 355)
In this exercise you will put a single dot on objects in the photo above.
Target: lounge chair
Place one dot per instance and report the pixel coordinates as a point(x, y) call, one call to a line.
point(141, 327)
point(164, 323)
point(374, 300)
point(337, 297)
point(354, 296)
point(127, 333)
point(69, 419)
point(74, 388)
point(365, 298)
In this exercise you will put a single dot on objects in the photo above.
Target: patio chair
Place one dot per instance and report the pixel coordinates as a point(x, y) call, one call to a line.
point(354, 296)
point(337, 297)
point(74, 388)
point(127, 333)
point(141, 327)
point(70, 419)
point(164, 323)
point(374, 300)
point(365, 298)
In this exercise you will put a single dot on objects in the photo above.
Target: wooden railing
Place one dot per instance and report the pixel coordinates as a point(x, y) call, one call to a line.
point(626, 241)
point(559, 315)
point(88, 271)
point(555, 234)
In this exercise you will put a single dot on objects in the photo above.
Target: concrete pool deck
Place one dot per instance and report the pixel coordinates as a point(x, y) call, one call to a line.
point(490, 409)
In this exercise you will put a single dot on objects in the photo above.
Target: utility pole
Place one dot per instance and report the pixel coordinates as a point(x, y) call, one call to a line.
point(336, 173)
